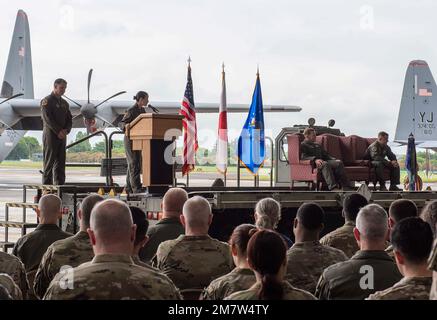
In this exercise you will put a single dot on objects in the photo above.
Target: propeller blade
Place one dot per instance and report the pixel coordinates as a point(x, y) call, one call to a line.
point(71, 100)
point(113, 96)
point(90, 73)
point(104, 120)
point(12, 97)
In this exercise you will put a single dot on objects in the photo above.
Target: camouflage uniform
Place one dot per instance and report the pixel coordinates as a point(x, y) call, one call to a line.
point(332, 170)
point(56, 116)
point(377, 154)
point(165, 229)
point(433, 266)
point(290, 293)
point(306, 262)
point(12, 266)
point(343, 239)
point(133, 157)
point(11, 288)
point(412, 288)
point(32, 247)
point(138, 262)
point(192, 262)
point(112, 277)
point(344, 279)
point(72, 251)
point(237, 280)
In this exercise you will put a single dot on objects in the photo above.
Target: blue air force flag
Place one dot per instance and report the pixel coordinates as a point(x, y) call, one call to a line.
point(251, 143)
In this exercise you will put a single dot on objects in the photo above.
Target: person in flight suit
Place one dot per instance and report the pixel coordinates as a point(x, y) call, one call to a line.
point(377, 153)
point(57, 123)
point(332, 169)
point(133, 176)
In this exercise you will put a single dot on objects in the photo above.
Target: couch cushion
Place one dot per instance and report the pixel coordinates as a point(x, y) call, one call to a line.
point(357, 173)
point(347, 150)
point(359, 146)
point(332, 145)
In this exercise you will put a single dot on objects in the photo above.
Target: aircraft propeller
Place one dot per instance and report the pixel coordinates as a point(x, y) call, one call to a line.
point(89, 111)
point(10, 98)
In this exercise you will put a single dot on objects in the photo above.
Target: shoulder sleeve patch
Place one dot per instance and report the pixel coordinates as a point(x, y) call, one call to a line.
point(44, 103)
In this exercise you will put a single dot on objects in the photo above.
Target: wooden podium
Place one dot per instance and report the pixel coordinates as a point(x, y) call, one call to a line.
point(147, 133)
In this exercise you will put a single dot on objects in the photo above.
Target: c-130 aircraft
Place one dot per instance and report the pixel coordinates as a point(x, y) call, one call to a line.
point(20, 112)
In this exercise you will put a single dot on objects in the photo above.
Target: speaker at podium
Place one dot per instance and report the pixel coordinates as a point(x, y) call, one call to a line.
point(153, 134)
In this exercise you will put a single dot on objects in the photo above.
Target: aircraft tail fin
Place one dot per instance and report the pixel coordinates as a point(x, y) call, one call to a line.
point(18, 75)
point(418, 109)
point(18, 78)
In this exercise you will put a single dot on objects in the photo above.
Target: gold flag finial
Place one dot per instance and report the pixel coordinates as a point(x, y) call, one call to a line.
point(257, 70)
point(223, 66)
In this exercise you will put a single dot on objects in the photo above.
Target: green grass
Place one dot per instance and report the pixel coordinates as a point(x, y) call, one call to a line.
point(21, 164)
point(32, 165)
point(430, 179)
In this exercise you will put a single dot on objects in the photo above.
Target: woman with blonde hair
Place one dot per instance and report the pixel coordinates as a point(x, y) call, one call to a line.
point(267, 216)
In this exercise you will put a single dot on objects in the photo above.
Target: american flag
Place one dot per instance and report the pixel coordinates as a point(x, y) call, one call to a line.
point(425, 92)
point(188, 110)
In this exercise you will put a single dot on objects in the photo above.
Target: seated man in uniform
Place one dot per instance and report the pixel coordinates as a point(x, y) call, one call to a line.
point(377, 152)
point(112, 274)
point(72, 251)
point(193, 260)
point(412, 242)
point(307, 258)
point(343, 238)
point(12, 266)
point(371, 269)
point(332, 169)
point(32, 247)
point(169, 227)
point(399, 210)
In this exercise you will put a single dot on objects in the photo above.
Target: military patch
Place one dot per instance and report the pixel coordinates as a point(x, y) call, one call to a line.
point(44, 103)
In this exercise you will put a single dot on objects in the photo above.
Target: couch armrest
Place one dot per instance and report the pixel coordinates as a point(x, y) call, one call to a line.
point(306, 162)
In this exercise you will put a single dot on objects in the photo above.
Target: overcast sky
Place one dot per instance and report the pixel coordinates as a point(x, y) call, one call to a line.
point(344, 60)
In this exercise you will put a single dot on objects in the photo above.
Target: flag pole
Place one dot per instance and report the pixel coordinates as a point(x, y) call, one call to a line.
point(238, 173)
point(224, 172)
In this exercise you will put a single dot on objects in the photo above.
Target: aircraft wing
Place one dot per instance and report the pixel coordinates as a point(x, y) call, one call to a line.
point(203, 107)
point(25, 114)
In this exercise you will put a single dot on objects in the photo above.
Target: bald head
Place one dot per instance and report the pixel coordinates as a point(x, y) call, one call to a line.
point(372, 223)
point(49, 208)
point(111, 223)
point(197, 214)
point(173, 202)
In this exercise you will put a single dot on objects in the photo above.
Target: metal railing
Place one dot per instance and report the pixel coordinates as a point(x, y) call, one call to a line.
point(110, 154)
point(105, 136)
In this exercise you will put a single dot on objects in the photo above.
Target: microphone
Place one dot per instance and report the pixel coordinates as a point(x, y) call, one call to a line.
point(153, 108)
